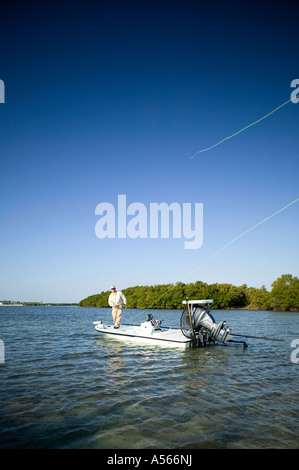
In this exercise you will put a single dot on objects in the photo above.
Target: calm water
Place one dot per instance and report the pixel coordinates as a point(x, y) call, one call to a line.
point(64, 386)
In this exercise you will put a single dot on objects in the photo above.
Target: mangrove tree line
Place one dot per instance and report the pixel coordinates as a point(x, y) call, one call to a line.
point(284, 295)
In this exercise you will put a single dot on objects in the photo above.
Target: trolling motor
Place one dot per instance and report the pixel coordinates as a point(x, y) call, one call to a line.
point(198, 324)
point(156, 324)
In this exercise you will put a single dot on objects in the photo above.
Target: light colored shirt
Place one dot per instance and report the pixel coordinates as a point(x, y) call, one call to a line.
point(117, 298)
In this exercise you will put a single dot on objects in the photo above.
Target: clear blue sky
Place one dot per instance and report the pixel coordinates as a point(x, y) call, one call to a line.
point(108, 98)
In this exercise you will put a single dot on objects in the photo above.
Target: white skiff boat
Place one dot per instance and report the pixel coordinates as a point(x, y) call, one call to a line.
point(198, 328)
point(146, 333)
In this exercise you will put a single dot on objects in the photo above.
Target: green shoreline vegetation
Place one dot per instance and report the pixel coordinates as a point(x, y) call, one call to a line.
point(284, 296)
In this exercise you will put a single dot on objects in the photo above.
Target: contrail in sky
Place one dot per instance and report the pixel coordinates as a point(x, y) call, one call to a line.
point(241, 130)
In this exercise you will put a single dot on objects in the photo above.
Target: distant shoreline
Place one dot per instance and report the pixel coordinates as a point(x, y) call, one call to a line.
point(35, 304)
point(11, 305)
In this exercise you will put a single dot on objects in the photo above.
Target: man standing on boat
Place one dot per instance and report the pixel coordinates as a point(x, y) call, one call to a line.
point(116, 301)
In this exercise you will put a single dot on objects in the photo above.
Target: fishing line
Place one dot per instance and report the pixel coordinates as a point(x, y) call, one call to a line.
point(241, 130)
point(221, 249)
point(242, 235)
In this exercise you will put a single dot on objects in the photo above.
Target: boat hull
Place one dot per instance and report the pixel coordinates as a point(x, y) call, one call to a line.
point(172, 338)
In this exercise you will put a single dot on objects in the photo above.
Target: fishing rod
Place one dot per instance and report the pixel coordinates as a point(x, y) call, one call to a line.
point(257, 337)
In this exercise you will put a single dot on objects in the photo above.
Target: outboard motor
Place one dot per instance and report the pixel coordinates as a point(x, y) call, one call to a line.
point(204, 327)
point(203, 320)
